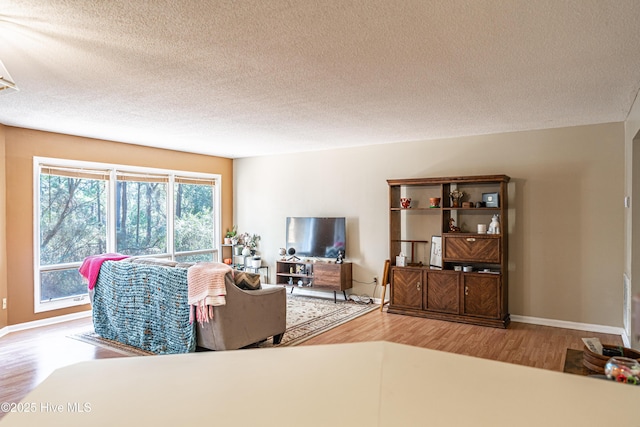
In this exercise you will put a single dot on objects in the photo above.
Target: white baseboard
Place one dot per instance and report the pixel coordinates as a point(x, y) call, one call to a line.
point(571, 325)
point(44, 322)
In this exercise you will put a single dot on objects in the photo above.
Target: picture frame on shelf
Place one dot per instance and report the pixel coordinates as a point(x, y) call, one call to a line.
point(435, 259)
point(490, 200)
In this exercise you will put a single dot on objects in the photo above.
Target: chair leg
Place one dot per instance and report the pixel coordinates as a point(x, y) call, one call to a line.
point(277, 338)
point(384, 293)
point(385, 281)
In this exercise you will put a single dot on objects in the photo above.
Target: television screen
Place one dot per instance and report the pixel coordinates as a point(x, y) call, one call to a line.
point(316, 237)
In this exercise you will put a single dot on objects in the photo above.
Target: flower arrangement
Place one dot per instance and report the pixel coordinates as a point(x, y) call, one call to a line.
point(249, 240)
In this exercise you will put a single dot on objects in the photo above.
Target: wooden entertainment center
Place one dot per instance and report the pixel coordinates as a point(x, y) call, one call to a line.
point(471, 284)
point(315, 275)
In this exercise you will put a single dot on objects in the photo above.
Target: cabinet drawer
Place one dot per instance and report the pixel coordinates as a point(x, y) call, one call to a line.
point(474, 248)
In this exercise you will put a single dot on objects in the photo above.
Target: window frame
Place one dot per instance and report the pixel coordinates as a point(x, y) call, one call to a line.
point(114, 169)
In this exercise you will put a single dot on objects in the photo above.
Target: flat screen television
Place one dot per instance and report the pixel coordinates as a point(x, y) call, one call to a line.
point(316, 236)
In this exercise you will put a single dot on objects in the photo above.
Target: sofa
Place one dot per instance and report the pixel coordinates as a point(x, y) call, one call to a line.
point(143, 303)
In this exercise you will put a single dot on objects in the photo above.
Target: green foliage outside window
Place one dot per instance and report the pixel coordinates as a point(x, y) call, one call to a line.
point(74, 217)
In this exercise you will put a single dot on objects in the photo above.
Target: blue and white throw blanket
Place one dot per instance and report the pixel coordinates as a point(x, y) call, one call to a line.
point(144, 306)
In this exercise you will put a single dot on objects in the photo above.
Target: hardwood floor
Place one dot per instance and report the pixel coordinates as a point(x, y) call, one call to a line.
point(28, 357)
point(524, 344)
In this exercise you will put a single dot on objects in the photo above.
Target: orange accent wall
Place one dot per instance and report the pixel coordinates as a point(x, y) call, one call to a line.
point(21, 146)
point(3, 229)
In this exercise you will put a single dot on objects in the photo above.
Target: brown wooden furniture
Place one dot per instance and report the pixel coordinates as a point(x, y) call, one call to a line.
point(319, 275)
point(479, 296)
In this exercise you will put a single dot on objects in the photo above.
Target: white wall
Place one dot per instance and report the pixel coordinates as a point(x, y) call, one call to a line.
point(566, 219)
point(632, 189)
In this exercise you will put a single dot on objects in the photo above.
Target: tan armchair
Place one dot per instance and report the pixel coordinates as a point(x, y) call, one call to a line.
point(246, 318)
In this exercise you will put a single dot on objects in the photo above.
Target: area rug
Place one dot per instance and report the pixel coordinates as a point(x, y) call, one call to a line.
point(307, 317)
point(90, 337)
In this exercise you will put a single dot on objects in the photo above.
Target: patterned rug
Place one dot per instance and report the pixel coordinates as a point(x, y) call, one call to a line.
point(306, 318)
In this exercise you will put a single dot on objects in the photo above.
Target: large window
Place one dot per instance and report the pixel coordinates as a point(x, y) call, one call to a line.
point(73, 225)
point(87, 208)
point(193, 217)
point(141, 214)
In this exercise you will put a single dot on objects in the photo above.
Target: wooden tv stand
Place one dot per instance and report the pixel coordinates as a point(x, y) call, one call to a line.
point(315, 275)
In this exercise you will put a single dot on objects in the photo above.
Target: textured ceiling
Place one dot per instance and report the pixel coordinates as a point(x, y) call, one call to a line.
point(246, 78)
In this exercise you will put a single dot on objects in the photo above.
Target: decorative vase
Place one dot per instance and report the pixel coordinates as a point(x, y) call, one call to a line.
point(227, 240)
point(246, 251)
point(456, 197)
point(434, 202)
point(405, 202)
point(623, 370)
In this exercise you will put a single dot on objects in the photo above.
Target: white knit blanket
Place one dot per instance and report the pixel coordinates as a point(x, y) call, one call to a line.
point(206, 289)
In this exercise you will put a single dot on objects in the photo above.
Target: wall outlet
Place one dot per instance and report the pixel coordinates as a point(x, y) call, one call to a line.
point(4, 303)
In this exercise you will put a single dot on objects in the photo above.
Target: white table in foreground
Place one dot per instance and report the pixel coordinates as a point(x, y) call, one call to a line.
point(385, 384)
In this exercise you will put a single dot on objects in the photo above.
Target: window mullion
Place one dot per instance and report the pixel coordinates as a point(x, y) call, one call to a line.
point(111, 219)
point(171, 216)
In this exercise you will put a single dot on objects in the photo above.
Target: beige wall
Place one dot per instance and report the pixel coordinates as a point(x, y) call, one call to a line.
point(566, 222)
point(3, 229)
point(567, 238)
point(21, 145)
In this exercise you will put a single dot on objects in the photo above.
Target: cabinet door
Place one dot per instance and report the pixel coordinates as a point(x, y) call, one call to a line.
point(481, 296)
point(406, 287)
point(443, 292)
point(326, 275)
point(336, 277)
